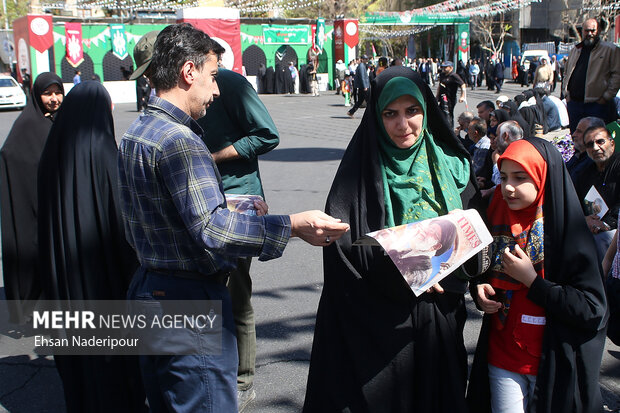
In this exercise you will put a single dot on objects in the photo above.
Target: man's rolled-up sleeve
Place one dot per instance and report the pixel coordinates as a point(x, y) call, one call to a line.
point(190, 176)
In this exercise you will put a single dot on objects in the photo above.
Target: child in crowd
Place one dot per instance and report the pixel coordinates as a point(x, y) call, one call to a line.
point(347, 86)
point(543, 334)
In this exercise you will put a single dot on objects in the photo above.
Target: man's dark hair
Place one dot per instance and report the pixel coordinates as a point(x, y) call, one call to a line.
point(487, 104)
point(175, 45)
point(479, 126)
point(596, 129)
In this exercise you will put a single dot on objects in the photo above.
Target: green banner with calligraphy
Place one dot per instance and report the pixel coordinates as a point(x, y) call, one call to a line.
point(280, 34)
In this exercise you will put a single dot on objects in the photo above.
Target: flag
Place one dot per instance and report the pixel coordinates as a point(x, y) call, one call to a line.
point(374, 52)
point(320, 34)
point(119, 41)
point(75, 51)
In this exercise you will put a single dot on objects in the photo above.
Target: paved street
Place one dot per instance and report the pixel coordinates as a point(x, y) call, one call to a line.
point(296, 176)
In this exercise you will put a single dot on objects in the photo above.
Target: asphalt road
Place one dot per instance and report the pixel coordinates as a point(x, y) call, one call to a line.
point(297, 175)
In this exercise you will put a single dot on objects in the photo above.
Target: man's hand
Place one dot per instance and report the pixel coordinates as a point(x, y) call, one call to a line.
point(595, 224)
point(261, 207)
point(485, 292)
point(317, 228)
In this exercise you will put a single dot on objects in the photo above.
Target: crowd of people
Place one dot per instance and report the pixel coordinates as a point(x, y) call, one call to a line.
point(85, 220)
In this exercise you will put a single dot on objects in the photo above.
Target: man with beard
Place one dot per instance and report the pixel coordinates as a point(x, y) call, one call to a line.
point(592, 77)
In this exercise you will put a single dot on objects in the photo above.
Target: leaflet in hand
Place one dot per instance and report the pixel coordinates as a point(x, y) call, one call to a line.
point(425, 252)
point(243, 204)
point(594, 203)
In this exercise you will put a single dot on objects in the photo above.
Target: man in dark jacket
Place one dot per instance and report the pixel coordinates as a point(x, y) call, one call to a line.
point(498, 75)
point(361, 83)
point(449, 83)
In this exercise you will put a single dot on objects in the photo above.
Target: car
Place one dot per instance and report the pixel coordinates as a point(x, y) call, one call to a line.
point(11, 94)
point(529, 56)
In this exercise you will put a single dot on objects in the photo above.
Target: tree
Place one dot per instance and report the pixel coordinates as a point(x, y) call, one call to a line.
point(14, 10)
point(491, 32)
point(576, 12)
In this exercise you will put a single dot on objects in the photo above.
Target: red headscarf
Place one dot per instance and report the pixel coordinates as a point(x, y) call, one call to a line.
point(516, 226)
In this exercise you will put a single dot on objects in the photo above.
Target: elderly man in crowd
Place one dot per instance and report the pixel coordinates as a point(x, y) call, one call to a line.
point(592, 77)
point(580, 159)
point(604, 175)
point(461, 130)
point(507, 133)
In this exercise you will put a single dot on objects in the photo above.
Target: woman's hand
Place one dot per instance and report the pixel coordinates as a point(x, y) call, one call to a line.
point(485, 292)
point(436, 289)
point(519, 266)
point(261, 207)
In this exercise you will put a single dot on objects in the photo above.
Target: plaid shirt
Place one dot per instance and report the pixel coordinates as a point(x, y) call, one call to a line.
point(173, 204)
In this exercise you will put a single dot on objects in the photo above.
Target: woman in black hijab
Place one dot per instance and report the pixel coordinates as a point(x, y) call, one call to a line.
point(377, 347)
point(82, 247)
point(568, 288)
point(19, 160)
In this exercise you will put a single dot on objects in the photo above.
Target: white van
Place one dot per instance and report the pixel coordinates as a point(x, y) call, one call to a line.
point(529, 56)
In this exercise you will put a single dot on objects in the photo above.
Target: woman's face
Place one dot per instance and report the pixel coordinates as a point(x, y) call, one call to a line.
point(52, 98)
point(402, 119)
point(518, 187)
point(493, 121)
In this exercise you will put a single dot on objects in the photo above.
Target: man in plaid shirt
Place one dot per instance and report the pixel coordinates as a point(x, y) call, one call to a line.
point(176, 219)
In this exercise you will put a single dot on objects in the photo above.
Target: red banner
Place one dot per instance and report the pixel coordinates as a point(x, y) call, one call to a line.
point(41, 33)
point(22, 46)
point(227, 32)
point(75, 50)
point(351, 33)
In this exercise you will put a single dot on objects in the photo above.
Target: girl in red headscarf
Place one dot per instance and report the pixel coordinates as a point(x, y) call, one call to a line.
point(542, 339)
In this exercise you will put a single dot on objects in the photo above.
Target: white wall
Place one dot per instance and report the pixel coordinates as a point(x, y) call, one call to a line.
point(120, 92)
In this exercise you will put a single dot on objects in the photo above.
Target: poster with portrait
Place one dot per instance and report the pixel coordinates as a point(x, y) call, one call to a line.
point(425, 252)
point(594, 203)
point(243, 204)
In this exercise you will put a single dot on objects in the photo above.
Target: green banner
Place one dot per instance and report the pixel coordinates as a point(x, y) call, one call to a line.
point(280, 34)
point(320, 34)
point(119, 41)
point(406, 18)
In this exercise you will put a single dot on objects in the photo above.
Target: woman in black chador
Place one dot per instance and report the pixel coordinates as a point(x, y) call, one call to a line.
point(378, 348)
point(82, 248)
point(19, 160)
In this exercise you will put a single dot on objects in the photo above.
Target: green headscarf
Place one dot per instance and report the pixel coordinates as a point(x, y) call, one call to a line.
point(423, 181)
